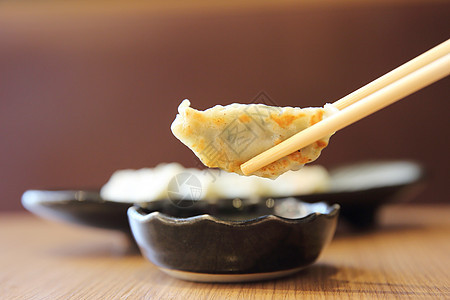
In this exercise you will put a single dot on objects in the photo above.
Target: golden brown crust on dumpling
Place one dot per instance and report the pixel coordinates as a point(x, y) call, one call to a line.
point(227, 136)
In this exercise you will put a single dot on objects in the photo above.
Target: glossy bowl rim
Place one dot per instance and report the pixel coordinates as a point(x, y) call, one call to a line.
point(133, 213)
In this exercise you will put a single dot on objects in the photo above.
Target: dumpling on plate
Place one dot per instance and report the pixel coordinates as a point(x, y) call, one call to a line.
point(308, 180)
point(227, 136)
point(174, 182)
point(165, 181)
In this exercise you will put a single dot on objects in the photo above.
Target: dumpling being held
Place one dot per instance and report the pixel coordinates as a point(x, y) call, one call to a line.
point(227, 136)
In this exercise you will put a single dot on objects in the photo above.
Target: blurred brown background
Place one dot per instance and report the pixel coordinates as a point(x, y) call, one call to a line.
point(88, 88)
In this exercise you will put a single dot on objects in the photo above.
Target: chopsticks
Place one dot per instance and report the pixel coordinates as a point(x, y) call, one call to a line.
point(414, 75)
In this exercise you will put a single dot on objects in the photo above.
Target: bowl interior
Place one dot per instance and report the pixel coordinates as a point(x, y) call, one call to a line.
point(237, 209)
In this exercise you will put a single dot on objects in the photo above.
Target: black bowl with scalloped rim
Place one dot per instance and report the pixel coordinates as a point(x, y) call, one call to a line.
point(238, 240)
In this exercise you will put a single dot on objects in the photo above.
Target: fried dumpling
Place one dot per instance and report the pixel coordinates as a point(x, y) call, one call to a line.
point(227, 136)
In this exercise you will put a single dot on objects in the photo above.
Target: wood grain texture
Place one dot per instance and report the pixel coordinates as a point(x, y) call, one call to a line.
point(407, 257)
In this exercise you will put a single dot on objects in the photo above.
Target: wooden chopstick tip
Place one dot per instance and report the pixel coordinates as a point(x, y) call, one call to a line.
point(246, 168)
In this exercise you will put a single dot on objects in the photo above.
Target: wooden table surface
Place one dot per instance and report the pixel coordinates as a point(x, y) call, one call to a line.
point(408, 256)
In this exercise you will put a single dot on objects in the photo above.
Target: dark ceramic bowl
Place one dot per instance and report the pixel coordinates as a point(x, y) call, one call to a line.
point(233, 240)
point(79, 207)
point(362, 188)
